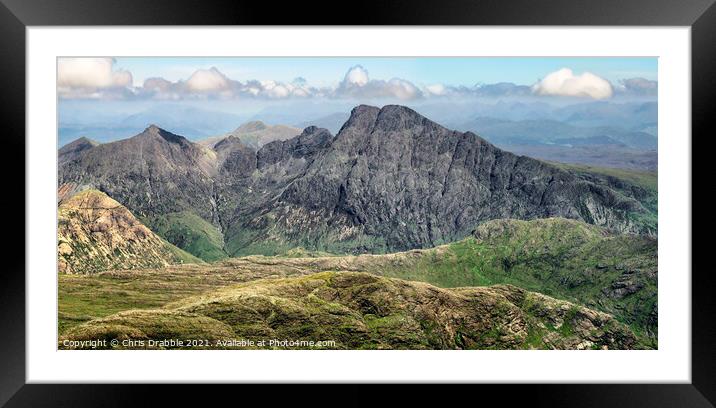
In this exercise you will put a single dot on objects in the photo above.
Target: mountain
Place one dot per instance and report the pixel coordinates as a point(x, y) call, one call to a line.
point(72, 150)
point(389, 180)
point(96, 233)
point(188, 120)
point(393, 180)
point(593, 155)
point(550, 132)
point(632, 115)
point(255, 134)
point(363, 311)
point(192, 122)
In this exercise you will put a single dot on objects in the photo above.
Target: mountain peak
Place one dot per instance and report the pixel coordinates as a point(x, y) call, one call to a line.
point(397, 110)
point(73, 149)
point(155, 132)
point(361, 110)
point(364, 119)
point(80, 143)
point(252, 126)
point(86, 140)
point(400, 116)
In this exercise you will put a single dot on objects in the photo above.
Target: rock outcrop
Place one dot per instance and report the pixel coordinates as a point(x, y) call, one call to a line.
point(95, 233)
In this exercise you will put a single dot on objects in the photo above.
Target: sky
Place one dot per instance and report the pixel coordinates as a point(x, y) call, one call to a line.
point(363, 78)
point(449, 71)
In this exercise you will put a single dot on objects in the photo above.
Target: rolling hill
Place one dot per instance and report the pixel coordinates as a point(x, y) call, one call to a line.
point(363, 311)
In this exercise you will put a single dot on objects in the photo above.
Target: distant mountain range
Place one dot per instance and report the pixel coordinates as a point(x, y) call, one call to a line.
point(192, 122)
point(552, 132)
point(255, 134)
point(389, 180)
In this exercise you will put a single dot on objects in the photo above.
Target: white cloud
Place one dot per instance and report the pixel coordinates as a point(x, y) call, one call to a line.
point(279, 91)
point(436, 89)
point(98, 78)
point(357, 76)
point(564, 83)
point(402, 89)
point(357, 84)
point(88, 76)
point(208, 80)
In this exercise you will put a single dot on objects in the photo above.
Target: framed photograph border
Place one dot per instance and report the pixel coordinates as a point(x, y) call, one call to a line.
point(16, 15)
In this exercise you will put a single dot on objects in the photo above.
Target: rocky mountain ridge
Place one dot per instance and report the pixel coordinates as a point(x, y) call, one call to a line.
point(389, 180)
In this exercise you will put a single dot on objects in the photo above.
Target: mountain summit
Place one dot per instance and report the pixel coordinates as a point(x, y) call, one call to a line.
point(390, 180)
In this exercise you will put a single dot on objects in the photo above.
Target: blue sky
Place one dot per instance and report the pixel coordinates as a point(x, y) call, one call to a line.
point(424, 71)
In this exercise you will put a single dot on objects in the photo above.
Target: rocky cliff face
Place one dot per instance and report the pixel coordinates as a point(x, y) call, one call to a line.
point(96, 233)
point(154, 172)
point(390, 180)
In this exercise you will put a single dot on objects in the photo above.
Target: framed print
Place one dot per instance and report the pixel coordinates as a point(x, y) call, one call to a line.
point(452, 195)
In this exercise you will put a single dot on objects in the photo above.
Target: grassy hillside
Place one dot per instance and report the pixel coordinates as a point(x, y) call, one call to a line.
point(645, 179)
point(191, 233)
point(565, 259)
point(362, 311)
point(561, 258)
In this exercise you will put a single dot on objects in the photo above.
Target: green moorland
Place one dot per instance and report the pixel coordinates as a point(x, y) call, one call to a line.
point(355, 310)
point(564, 259)
point(189, 232)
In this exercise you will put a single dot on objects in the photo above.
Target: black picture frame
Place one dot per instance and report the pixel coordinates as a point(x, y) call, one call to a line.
point(16, 15)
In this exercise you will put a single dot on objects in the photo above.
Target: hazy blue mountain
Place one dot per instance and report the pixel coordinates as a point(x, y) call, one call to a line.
point(195, 123)
point(551, 132)
point(190, 121)
point(633, 116)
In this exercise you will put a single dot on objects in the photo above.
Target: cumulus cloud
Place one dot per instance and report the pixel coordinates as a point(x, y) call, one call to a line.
point(357, 84)
point(207, 80)
point(90, 77)
point(436, 89)
point(565, 83)
point(356, 76)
